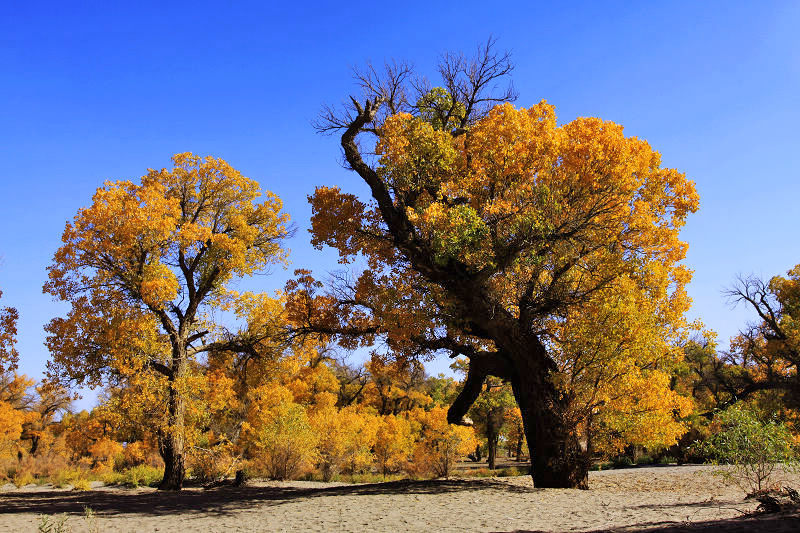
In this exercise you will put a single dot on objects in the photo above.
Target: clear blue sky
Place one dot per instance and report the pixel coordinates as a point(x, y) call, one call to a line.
point(90, 92)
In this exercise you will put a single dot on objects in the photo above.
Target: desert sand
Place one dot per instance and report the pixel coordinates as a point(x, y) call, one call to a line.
point(671, 498)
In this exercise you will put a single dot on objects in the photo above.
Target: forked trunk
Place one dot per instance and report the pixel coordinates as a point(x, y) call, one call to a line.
point(557, 458)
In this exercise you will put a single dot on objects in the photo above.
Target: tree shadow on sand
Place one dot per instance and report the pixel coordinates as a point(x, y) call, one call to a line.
point(222, 500)
point(758, 523)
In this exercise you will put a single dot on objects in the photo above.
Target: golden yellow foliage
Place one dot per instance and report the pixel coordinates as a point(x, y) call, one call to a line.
point(346, 438)
point(439, 444)
point(279, 433)
point(14, 414)
point(8, 338)
point(394, 443)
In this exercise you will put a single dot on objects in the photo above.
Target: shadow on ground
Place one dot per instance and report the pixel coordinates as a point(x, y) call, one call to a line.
point(222, 500)
point(760, 523)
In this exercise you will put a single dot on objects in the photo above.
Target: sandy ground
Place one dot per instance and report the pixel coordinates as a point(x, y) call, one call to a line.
point(685, 498)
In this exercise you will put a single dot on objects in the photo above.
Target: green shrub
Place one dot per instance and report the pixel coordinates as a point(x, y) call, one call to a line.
point(623, 461)
point(134, 476)
point(53, 524)
point(644, 460)
point(509, 472)
point(751, 447)
point(67, 476)
point(666, 460)
point(142, 475)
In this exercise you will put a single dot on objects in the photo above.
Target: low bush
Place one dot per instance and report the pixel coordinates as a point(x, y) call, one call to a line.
point(135, 476)
point(23, 478)
point(750, 447)
point(42, 466)
point(81, 484)
point(622, 461)
point(67, 476)
point(509, 472)
point(478, 472)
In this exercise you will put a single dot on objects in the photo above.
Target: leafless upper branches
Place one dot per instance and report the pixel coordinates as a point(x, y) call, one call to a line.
point(474, 85)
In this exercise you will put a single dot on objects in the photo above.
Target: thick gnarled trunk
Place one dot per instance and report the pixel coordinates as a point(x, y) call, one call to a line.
point(172, 440)
point(557, 458)
point(174, 469)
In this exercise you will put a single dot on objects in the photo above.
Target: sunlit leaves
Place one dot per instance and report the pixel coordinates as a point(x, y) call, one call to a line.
point(8, 338)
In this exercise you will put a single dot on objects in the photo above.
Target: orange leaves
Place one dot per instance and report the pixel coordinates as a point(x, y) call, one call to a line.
point(159, 285)
point(280, 432)
point(346, 438)
point(201, 214)
point(335, 219)
point(13, 414)
point(393, 444)
point(519, 188)
point(8, 338)
point(142, 266)
point(439, 444)
point(507, 148)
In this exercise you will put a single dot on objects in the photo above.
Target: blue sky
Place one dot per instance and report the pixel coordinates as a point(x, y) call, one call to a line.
point(92, 92)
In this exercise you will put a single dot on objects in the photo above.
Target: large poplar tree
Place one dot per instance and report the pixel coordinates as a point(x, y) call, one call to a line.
point(487, 230)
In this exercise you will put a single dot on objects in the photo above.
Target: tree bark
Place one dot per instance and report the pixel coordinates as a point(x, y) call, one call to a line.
point(172, 442)
point(491, 438)
point(557, 458)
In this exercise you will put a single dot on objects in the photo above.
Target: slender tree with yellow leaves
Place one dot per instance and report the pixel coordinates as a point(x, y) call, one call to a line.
point(142, 266)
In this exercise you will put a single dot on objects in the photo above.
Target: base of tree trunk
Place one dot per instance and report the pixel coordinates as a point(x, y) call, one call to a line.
point(174, 476)
point(561, 474)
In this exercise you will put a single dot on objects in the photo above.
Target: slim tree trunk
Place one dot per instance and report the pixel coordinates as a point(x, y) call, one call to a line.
point(172, 442)
point(492, 437)
point(492, 445)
